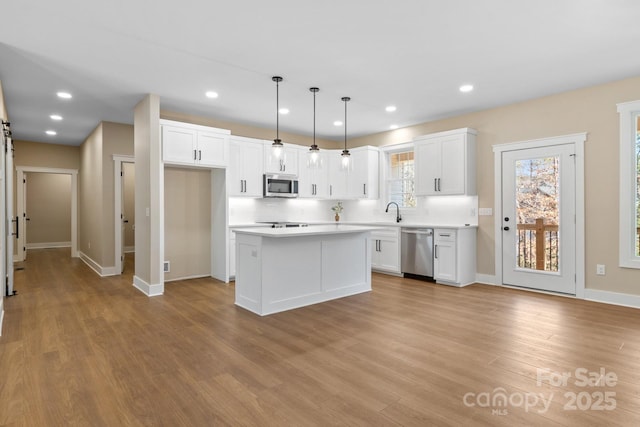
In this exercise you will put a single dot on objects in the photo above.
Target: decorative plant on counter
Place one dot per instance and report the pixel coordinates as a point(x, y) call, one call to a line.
point(338, 210)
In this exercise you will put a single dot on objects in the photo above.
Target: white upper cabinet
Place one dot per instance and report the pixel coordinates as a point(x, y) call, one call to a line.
point(363, 177)
point(194, 145)
point(245, 171)
point(313, 182)
point(445, 163)
point(287, 164)
point(337, 178)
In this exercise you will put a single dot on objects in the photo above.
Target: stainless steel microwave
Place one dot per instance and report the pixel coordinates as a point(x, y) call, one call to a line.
point(280, 186)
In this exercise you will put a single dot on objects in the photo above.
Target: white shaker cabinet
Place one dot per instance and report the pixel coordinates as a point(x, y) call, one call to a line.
point(454, 256)
point(313, 182)
point(336, 176)
point(287, 164)
point(445, 163)
point(362, 182)
point(385, 255)
point(194, 145)
point(245, 171)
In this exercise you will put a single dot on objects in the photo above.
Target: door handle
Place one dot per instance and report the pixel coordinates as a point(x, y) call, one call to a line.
point(505, 228)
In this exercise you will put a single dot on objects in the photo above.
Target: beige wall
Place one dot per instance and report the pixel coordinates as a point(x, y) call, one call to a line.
point(249, 131)
point(38, 154)
point(48, 208)
point(591, 110)
point(116, 139)
point(90, 197)
point(96, 216)
point(187, 222)
point(129, 208)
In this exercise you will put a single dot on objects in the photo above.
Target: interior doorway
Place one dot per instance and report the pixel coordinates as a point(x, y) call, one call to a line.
point(124, 213)
point(540, 214)
point(70, 178)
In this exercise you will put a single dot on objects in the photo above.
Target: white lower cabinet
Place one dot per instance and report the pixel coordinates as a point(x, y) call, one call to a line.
point(454, 256)
point(386, 250)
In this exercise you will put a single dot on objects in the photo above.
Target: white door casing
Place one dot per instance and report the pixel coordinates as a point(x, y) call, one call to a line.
point(21, 208)
point(118, 160)
point(577, 141)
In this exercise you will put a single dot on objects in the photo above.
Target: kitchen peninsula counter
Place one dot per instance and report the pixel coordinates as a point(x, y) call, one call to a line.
point(279, 269)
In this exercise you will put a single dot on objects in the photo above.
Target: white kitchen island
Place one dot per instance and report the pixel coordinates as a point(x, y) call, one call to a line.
point(279, 269)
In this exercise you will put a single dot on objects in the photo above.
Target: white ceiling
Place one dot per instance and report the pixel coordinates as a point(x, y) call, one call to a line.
point(410, 53)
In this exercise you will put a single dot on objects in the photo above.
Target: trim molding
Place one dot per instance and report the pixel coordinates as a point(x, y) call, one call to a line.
point(197, 276)
point(100, 270)
point(1, 313)
point(147, 289)
point(48, 245)
point(487, 279)
point(615, 298)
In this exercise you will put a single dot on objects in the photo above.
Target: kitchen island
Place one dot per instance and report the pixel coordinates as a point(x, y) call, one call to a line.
point(279, 269)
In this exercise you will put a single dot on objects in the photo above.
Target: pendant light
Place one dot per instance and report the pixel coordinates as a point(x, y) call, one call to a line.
point(346, 156)
point(277, 146)
point(314, 152)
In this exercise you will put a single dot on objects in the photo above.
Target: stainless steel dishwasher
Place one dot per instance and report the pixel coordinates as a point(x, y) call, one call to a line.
point(417, 251)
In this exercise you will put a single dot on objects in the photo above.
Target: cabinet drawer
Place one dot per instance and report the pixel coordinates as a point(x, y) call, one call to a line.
point(445, 236)
point(385, 233)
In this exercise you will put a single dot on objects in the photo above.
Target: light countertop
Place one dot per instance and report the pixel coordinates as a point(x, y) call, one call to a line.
point(367, 224)
point(304, 231)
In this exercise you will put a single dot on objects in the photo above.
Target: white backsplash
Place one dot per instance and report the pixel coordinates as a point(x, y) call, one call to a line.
point(445, 210)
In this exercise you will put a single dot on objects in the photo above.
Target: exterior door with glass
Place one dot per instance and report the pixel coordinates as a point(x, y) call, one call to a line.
point(538, 218)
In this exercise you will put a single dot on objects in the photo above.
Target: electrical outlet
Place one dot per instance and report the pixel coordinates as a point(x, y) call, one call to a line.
point(89, 244)
point(167, 266)
point(600, 270)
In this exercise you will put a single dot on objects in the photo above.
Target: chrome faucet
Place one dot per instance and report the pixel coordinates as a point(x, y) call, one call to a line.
point(398, 217)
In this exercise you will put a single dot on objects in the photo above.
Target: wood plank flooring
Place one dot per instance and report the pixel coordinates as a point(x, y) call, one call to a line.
point(80, 350)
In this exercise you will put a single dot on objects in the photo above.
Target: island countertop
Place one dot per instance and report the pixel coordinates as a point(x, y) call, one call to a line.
point(312, 230)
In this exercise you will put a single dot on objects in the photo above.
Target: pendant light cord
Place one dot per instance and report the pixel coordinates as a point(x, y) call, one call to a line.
point(278, 109)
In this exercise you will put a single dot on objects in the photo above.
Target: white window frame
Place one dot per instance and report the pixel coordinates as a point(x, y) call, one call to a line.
point(384, 172)
point(629, 111)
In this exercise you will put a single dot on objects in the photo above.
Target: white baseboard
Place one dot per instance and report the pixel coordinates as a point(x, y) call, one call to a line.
point(147, 289)
point(615, 298)
point(129, 249)
point(102, 271)
point(48, 245)
point(487, 279)
point(197, 276)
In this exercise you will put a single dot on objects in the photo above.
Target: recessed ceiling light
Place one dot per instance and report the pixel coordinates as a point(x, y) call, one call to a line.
point(391, 108)
point(211, 94)
point(466, 88)
point(393, 127)
point(51, 132)
point(337, 123)
point(64, 95)
point(56, 117)
point(283, 111)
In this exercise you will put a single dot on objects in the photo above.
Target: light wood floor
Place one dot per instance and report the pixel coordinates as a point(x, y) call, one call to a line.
point(80, 350)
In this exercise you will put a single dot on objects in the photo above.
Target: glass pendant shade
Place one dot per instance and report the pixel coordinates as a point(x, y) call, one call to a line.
point(314, 161)
point(277, 146)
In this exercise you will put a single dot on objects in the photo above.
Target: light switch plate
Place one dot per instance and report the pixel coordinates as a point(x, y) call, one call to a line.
point(485, 211)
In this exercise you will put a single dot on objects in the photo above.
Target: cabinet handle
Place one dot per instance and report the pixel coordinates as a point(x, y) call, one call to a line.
point(439, 189)
point(379, 245)
point(199, 154)
point(364, 189)
point(435, 184)
point(435, 251)
point(195, 154)
point(331, 190)
point(242, 185)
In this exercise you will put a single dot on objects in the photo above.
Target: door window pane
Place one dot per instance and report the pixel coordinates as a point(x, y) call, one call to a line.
point(537, 213)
